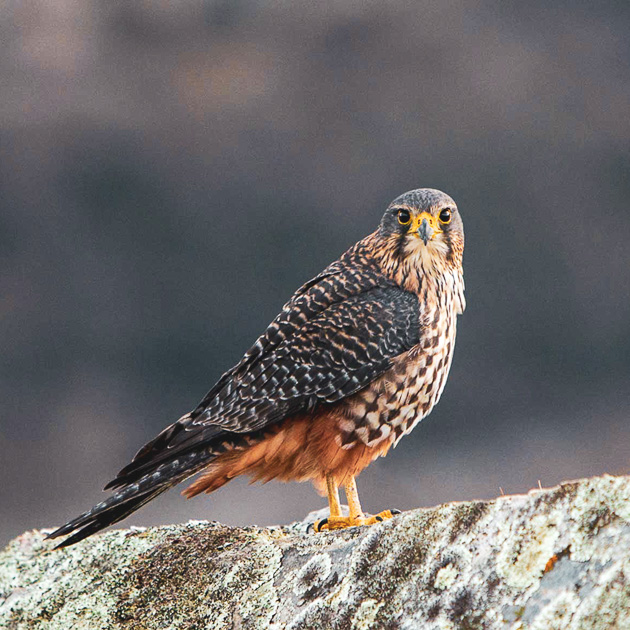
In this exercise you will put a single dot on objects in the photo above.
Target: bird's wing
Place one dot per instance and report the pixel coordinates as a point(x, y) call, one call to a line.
point(337, 334)
point(331, 356)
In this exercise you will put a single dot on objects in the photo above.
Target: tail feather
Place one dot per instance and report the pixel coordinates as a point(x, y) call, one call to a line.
point(131, 497)
point(89, 523)
point(177, 442)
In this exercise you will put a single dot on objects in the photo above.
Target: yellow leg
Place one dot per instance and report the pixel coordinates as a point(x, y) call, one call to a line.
point(333, 496)
point(352, 495)
point(356, 517)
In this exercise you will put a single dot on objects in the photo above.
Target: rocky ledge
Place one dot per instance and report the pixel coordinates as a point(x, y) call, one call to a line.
point(554, 558)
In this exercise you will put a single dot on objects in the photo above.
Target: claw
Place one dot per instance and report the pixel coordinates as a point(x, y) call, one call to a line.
point(343, 522)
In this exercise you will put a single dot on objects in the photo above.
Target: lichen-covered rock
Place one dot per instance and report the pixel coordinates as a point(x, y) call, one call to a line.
point(552, 559)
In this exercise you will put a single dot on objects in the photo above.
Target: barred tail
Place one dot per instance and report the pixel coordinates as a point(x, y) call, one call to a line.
point(132, 496)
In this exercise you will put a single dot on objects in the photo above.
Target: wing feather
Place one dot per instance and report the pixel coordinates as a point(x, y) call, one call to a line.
point(338, 333)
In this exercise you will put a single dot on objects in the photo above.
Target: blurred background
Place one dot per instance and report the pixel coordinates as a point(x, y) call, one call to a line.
point(170, 172)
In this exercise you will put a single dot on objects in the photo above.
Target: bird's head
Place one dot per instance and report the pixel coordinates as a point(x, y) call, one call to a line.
point(423, 228)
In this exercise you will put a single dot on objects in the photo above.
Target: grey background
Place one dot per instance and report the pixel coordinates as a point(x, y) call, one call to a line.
point(171, 172)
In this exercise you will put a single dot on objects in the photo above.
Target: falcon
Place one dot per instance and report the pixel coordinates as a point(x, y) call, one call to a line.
point(355, 359)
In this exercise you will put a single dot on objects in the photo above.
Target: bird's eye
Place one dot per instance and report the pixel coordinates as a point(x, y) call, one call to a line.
point(404, 217)
point(445, 215)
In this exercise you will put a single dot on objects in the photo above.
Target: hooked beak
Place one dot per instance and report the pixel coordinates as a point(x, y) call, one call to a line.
point(426, 227)
point(425, 231)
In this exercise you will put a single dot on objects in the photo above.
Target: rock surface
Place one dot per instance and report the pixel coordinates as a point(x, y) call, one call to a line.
point(554, 558)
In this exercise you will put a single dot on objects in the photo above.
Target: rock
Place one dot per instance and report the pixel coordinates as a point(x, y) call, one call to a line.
point(554, 558)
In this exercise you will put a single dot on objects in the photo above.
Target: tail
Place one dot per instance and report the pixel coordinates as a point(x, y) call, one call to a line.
point(132, 496)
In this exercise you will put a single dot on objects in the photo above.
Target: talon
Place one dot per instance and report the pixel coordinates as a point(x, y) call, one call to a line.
point(338, 522)
point(357, 518)
point(342, 522)
point(380, 517)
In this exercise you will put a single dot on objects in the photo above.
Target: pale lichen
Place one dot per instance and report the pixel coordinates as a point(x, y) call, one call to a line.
point(522, 559)
point(445, 577)
point(555, 558)
point(365, 617)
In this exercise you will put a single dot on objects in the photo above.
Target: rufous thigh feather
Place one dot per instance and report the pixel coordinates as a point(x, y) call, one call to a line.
point(299, 449)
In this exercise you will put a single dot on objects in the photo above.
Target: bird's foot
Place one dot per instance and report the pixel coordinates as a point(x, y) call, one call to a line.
point(342, 522)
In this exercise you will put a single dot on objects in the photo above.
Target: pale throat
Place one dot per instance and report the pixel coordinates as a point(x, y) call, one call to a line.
point(426, 269)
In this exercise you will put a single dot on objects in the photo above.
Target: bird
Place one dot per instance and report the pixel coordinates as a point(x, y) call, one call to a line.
point(353, 361)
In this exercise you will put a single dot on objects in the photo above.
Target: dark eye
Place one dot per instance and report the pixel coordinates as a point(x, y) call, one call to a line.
point(404, 217)
point(445, 215)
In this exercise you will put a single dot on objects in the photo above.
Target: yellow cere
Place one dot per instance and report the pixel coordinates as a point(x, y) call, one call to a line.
point(432, 221)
